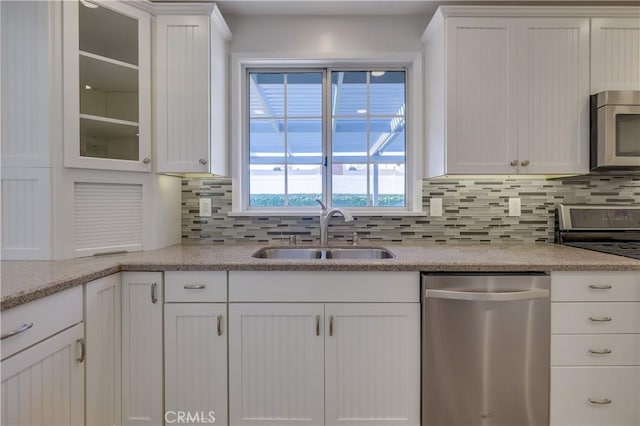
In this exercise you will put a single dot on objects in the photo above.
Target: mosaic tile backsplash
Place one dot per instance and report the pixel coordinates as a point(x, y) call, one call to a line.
point(474, 210)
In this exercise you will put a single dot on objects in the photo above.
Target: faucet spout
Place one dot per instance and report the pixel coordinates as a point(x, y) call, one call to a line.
point(325, 216)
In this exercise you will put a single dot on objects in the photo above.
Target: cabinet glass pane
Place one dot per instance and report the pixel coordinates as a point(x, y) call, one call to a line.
point(107, 33)
point(108, 90)
point(103, 139)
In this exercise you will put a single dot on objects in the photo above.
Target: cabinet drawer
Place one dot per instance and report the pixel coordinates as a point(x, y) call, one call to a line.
point(40, 319)
point(573, 387)
point(195, 286)
point(595, 349)
point(324, 286)
point(610, 317)
point(595, 286)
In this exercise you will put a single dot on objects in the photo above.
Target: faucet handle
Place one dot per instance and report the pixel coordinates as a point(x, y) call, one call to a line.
point(354, 241)
point(321, 204)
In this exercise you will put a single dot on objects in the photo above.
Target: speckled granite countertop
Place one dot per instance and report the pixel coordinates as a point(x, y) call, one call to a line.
point(25, 281)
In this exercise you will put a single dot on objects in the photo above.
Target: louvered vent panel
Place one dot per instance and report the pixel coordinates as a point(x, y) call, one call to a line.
point(108, 217)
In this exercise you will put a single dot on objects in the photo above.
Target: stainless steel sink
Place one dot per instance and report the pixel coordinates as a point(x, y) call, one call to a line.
point(359, 253)
point(299, 253)
point(288, 253)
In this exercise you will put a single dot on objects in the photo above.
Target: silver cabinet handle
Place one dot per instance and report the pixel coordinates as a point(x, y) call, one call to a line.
point(602, 401)
point(21, 329)
point(194, 287)
point(513, 163)
point(317, 325)
point(154, 293)
point(600, 287)
point(600, 319)
point(600, 351)
point(82, 350)
point(331, 325)
point(203, 161)
point(219, 319)
point(525, 163)
point(487, 297)
point(147, 160)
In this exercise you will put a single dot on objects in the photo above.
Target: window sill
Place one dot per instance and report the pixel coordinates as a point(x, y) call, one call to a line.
point(314, 213)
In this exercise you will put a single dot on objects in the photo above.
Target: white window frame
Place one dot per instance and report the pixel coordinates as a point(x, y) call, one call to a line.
point(414, 162)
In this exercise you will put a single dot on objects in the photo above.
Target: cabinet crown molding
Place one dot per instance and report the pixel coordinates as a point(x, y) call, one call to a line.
point(528, 12)
point(209, 9)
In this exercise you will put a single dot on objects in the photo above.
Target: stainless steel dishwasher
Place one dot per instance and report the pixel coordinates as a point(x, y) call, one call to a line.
point(485, 349)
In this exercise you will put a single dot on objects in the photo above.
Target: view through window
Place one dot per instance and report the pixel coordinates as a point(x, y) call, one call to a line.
point(333, 135)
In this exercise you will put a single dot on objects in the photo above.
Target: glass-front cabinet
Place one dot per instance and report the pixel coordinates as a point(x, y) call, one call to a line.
point(107, 86)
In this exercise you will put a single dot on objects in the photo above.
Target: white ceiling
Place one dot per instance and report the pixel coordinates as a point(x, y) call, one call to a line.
point(375, 7)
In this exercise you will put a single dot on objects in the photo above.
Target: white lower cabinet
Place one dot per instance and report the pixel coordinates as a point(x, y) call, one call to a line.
point(195, 362)
point(44, 384)
point(142, 382)
point(372, 364)
point(603, 396)
point(595, 349)
point(102, 316)
point(276, 364)
point(308, 362)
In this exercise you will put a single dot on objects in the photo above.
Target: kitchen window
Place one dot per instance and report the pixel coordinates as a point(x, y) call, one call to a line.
point(334, 134)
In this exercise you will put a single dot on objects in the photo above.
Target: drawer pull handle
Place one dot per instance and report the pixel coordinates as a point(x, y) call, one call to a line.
point(83, 350)
point(600, 351)
point(21, 329)
point(219, 325)
point(600, 319)
point(600, 287)
point(194, 287)
point(603, 401)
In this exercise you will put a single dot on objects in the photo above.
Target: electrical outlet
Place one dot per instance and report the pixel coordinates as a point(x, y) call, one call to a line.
point(435, 207)
point(205, 207)
point(514, 207)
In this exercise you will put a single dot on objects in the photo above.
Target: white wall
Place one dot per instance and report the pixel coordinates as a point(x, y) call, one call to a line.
point(326, 34)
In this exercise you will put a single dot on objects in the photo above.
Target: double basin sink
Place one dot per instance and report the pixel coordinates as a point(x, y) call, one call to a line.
point(312, 253)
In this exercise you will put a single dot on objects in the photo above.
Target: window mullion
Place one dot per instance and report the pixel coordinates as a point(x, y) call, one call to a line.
point(368, 118)
point(327, 139)
point(286, 139)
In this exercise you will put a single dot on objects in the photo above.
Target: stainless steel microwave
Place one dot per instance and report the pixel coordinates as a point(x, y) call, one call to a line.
point(615, 131)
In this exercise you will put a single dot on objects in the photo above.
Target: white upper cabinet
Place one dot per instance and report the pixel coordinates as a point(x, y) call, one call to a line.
point(514, 91)
point(481, 117)
point(615, 54)
point(553, 95)
point(107, 78)
point(190, 101)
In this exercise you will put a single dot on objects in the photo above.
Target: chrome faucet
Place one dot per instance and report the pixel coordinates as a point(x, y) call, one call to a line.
point(324, 221)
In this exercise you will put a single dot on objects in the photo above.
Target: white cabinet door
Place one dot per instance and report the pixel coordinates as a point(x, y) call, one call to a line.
point(276, 369)
point(45, 383)
point(196, 360)
point(554, 95)
point(372, 364)
point(142, 348)
point(107, 86)
point(102, 316)
point(481, 133)
point(615, 54)
point(182, 93)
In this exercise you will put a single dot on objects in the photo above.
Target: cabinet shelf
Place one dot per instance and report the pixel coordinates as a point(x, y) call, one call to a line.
point(100, 119)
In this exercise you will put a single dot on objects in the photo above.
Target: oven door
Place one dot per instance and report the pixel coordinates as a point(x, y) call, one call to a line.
point(619, 136)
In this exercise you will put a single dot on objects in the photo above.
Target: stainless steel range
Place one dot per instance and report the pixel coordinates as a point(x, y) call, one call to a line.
point(604, 228)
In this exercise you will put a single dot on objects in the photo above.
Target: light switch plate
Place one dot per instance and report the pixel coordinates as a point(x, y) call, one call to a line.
point(435, 207)
point(205, 207)
point(514, 207)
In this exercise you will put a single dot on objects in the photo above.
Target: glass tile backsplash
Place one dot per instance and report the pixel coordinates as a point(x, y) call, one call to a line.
point(474, 210)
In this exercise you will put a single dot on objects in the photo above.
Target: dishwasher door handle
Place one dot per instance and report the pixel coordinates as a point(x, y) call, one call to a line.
point(487, 297)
